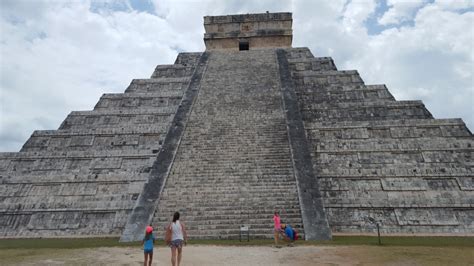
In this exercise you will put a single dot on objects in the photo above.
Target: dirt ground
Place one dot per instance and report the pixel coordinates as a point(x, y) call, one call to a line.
point(246, 255)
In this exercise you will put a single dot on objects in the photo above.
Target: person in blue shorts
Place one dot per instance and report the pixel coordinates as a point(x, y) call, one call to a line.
point(288, 234)
point(148, 242)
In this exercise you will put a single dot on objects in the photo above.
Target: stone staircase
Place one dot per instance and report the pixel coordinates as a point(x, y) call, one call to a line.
point(381, 158)
point(85, 177)
point(233, 166)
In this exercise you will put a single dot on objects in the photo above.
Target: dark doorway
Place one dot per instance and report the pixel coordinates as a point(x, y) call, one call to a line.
point(243, 45)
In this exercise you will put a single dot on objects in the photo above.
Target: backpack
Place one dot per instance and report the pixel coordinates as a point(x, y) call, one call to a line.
point(168, 234)
point(295, 235)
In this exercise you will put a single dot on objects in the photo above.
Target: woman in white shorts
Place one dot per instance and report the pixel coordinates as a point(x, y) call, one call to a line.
point(178, 238)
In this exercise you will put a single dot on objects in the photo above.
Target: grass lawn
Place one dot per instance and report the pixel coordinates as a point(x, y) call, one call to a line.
point(73, 243)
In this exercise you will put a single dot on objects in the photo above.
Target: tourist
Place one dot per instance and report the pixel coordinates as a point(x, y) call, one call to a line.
point(147, 243)
point(276, 227)
point(175, 237)
point(288, 234)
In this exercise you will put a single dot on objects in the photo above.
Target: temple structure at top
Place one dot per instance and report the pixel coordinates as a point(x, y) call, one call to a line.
point(251, 31)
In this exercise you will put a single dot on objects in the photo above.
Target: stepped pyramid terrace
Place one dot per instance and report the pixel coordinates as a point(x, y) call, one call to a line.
point(228, 136)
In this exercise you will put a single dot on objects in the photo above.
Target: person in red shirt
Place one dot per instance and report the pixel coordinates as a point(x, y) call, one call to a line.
point(276, 227)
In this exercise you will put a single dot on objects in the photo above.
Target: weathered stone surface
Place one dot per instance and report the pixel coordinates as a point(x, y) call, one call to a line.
point(85, 178)
point(381, 158)
point(143, 211)
point(228, 137)
point(257, 30)
point(234, 164)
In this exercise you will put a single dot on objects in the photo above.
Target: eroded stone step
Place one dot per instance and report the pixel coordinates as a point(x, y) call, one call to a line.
point(366, 111)
point(302, 78)
point(334, 94)
point(117, 119)
point(405, 128)
point(393, 184)
point(138, 100)
point(401, 199)
point(172, 71)
point(298, 53)
point(396, 157)
point(165, 85)
point(38, 177)
point(187, 59)
point(425, 143)
point(312, 64)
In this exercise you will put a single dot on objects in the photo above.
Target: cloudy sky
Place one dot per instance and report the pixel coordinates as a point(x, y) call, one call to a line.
point(59, 56)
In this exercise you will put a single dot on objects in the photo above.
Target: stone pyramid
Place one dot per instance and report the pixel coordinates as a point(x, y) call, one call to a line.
point(230, 135)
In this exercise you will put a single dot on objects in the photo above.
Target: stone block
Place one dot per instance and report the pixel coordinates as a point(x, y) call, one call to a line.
point(389, 157)
point(54, 220)
point(432, 217)
point(11, 222)
point(77, 164)
point(106, 163)
point(125, 140)
point(81, 141)
point(448, 156)
point(22, 165)
point(44, 189)
point(404, 184)
point(137, 164)
point(466, 183)
point(337, 184)
point(10, 190)
point(58, 142)
point(455, 131)
point(429, 198)
point(78, 189)
point(448, 184)
point(186, 59)
point(135, 187)
point(161, 85)
point(121, 217)
point(4, 164)
point(112, 189)
point(343, 218)
point(428, 131)
point(34, 141)
point(49, 164)
point(465, 218)
point(337, 158)
point(97, 222)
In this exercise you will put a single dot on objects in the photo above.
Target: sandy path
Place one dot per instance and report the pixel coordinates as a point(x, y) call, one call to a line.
point(260, 255)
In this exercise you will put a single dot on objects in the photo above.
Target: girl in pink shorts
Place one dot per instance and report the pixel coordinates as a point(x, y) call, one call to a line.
point(276, 227)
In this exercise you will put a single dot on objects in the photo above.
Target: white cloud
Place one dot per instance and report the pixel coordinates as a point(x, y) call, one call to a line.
point(57, 57)
point(455, 4)
point(400, 11)
point(356, 14)
point(432, 61)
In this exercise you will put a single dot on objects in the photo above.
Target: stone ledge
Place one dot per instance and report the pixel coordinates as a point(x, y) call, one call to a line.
point(147, 111)
point(76, 154)
point(160, 80)
point(158, 94)
point(248, 34)
point(355, 105)
point(247, 18)
point(110, 131)
point(337, 125)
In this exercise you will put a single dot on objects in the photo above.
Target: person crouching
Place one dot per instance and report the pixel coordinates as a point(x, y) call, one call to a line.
point(288, 234)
